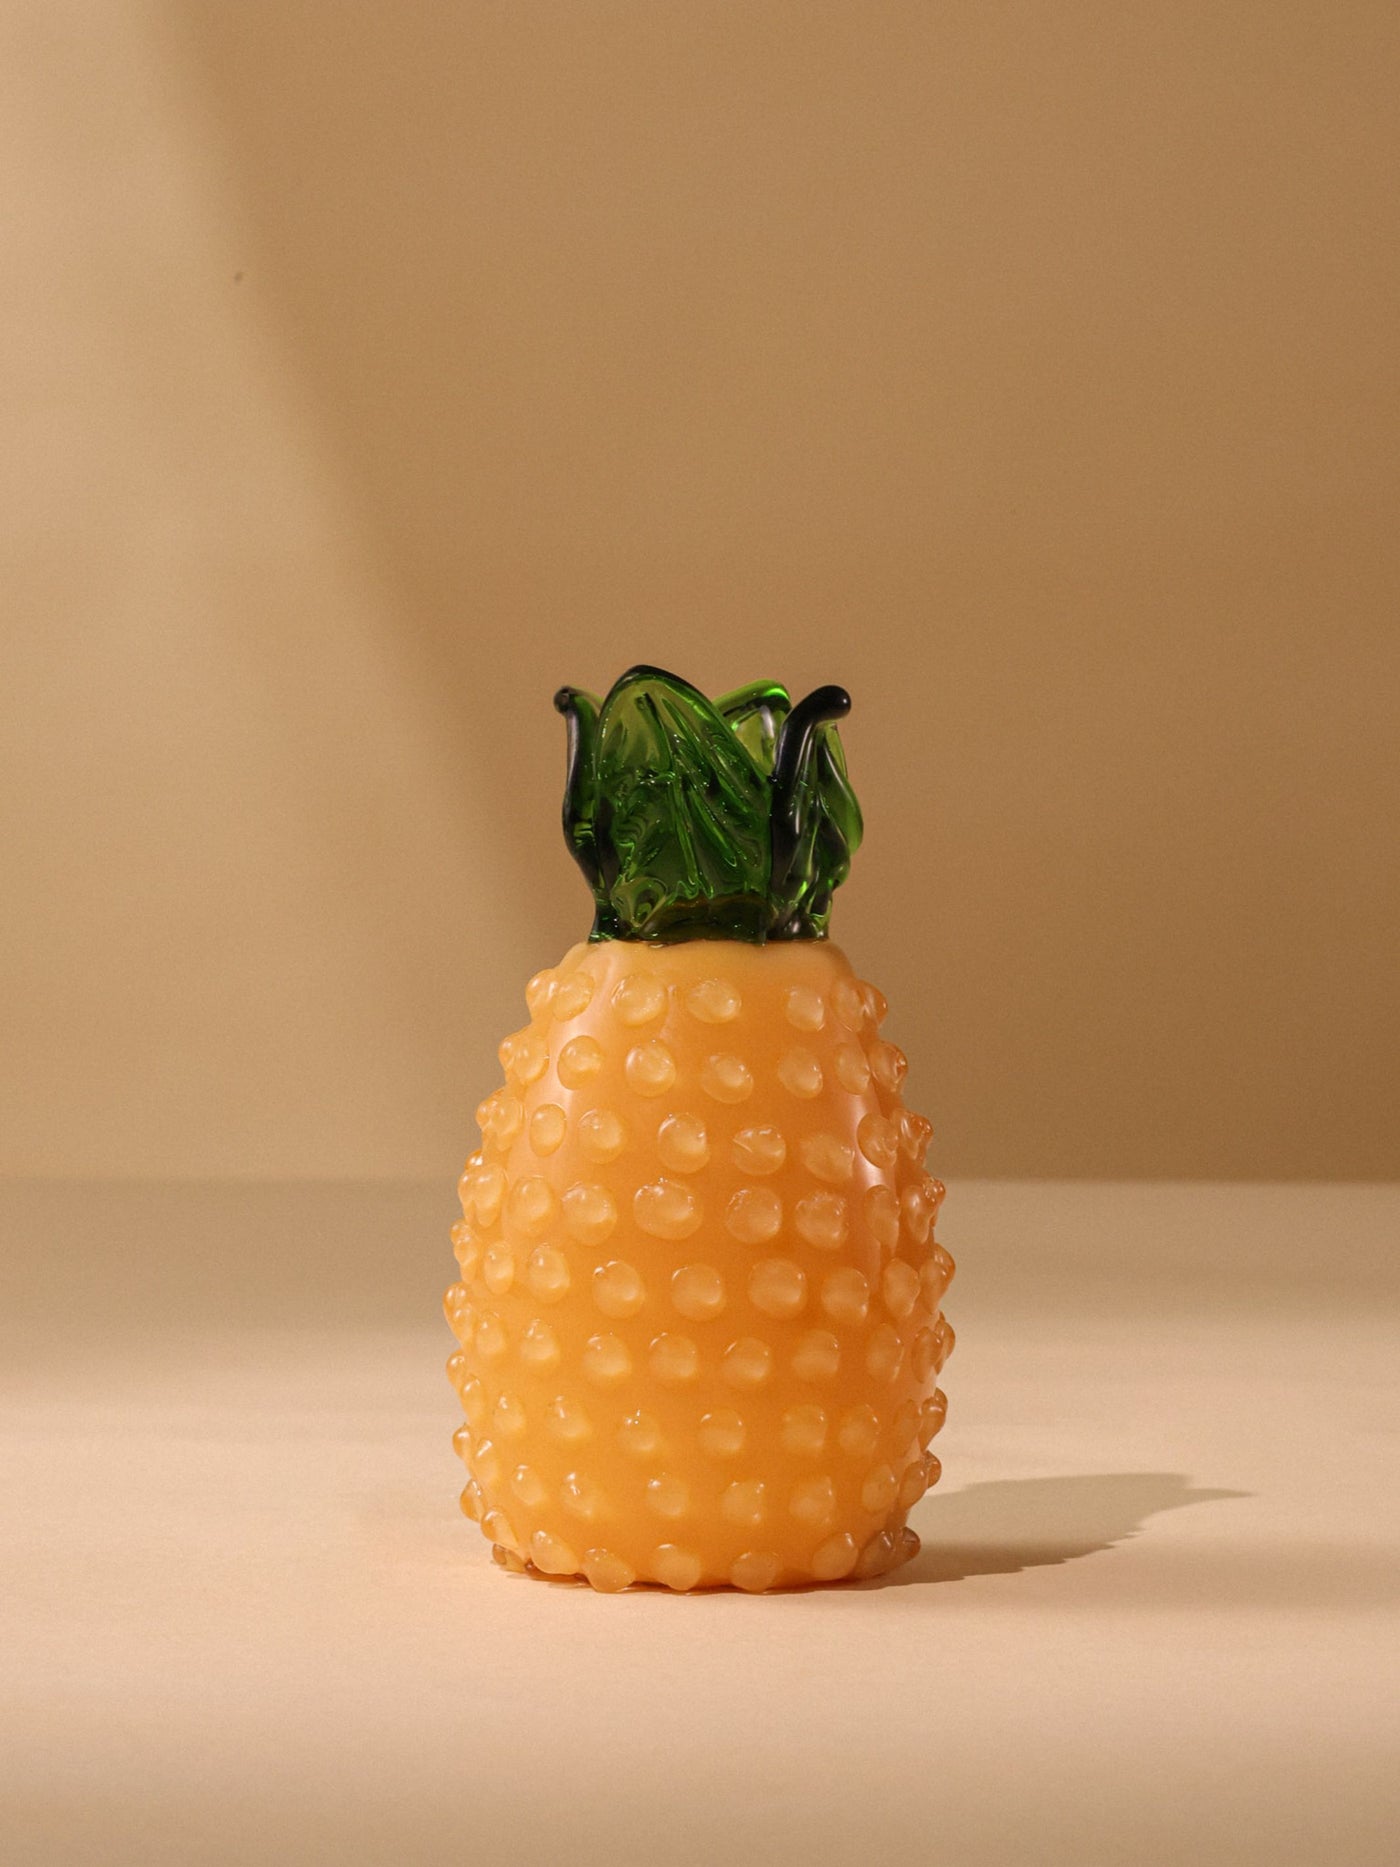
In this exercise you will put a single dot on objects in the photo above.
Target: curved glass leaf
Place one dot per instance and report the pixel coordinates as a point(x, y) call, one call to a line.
point(691, 819)
point(581, 710)
point(756, 713)
point(817, 824)
point(682, 814)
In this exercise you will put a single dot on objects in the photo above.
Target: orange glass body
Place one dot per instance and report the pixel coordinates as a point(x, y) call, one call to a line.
point(700, 1314)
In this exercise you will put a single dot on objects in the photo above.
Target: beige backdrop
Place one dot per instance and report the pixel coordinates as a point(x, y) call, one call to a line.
point(369, 370)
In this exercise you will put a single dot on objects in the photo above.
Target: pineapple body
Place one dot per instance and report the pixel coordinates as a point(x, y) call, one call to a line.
point(699, 1312)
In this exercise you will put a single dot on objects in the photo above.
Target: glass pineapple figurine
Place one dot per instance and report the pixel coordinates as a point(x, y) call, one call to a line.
point(699, 1309)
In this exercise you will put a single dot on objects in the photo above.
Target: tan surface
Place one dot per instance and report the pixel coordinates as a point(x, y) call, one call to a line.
point(370, 370)
point(1155, 1620)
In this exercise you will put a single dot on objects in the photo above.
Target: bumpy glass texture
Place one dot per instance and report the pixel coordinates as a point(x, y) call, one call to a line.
point(693, 819)
point(699, 1314)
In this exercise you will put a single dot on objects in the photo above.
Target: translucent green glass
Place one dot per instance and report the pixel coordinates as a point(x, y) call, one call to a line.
point(695, 819)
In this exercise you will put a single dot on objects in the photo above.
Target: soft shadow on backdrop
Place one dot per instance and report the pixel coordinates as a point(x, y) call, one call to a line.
point(369, 371)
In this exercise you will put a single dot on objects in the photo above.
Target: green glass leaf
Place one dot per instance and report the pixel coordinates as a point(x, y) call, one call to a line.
point(756, 713)
point(681, 822)
point(581, 710)
point(691, 820)
point(817, 824)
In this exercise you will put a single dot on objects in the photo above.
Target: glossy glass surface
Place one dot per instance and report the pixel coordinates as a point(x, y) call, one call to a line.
point(699, 1311)
point(692, 819)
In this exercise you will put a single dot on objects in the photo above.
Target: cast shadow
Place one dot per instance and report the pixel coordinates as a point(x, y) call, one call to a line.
point(1008, 1525)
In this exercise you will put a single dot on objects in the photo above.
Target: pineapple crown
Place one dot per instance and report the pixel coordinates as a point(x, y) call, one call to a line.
point(693, 819)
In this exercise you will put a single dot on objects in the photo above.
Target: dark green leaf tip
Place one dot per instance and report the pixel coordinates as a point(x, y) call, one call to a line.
point(693, 819)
